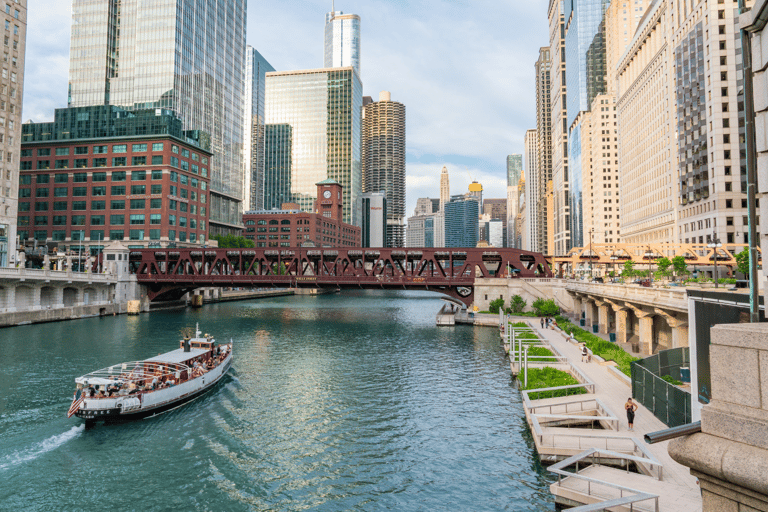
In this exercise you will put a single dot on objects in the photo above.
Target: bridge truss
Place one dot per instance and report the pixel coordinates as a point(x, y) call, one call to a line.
point(170, 273)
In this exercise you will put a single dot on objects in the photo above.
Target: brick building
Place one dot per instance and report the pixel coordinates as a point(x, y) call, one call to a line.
point(291, 227)
point(102, 173)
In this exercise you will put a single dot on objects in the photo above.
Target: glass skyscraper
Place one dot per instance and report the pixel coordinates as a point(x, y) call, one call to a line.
point(342, 40)
point(320, 116)
point(256, 68)
point(184, 55)
point(462, 227)
point(514, 168)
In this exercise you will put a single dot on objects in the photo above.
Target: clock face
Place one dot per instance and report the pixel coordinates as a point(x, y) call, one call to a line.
point(327, 194)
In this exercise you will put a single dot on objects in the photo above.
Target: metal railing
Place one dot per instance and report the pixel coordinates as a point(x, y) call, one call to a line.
point(606, 502)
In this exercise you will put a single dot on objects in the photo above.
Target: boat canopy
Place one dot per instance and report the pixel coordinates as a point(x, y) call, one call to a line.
point(177, 356)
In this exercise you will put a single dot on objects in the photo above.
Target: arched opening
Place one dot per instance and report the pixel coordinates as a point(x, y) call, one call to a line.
point(70, 297)
point(23, 298)
point(47, 297)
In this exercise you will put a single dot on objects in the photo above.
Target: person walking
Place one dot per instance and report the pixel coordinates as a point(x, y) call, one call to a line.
point(631, 407)
point(542, 322)
point(584, 353)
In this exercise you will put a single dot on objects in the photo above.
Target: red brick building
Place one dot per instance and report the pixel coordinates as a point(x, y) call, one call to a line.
point(151, 191)
point(291, 227)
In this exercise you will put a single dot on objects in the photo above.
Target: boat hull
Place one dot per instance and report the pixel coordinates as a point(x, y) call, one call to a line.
point(118, 415)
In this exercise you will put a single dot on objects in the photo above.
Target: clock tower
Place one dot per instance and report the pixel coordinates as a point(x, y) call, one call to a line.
point(329, 199)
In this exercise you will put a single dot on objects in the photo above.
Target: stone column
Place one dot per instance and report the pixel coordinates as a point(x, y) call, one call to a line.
point(623, 329)
point(58, 297)
point(604, 313)
point(730, 454)
point(679, 325)
point(646, 333)
point(80, 298)
point(35, 298)
point(10, 298)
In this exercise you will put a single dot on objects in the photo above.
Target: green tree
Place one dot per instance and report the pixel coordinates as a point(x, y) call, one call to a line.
point(496, 305)
point(679, 265)
point(232, 242)
point(518, 304)
point(545, 307)
point(663, 265)
point(742, 262)
point(629, 269)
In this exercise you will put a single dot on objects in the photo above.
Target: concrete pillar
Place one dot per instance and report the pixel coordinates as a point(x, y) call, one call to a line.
point(623, 329)
point(10, 298)
point(604, 313)
point(36, 297)
point(679, 325)
point(79, 300)
point(646, 333)
point(58, 297)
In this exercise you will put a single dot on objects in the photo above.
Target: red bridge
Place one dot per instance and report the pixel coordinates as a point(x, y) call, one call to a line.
point(170, 273)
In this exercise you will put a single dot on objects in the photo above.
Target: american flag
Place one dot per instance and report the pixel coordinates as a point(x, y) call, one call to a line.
point(77, 401)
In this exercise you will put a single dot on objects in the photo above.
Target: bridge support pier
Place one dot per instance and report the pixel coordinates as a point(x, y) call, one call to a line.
point(646, 333)
point(623, 329)
point(679, 328)
point(590, 315)
point(604, 315)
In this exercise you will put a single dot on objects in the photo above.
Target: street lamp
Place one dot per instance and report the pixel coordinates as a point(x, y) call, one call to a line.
point(591, 275)
point(648, 255)
point(714, 244)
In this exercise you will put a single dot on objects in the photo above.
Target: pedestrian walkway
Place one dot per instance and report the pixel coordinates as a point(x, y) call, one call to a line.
point(679, 487)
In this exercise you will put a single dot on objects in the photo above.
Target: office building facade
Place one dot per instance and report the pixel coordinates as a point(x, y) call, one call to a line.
point(383, 161)
point(138, 55)
point(514, 168)
point(81, 185)
point(342, 41)
point(256, 68)
point(462, 221)
point(11, 95)
point(313, 133)
point(374, 215)
point(559, 101)
point(539, 216)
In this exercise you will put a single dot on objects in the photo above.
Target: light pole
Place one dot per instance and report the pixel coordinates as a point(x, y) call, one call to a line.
point(613, 259)
point(591, 276)
point(714, 244)
point(648, 255)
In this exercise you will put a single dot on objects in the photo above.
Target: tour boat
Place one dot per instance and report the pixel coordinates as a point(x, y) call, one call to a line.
point(139, 389)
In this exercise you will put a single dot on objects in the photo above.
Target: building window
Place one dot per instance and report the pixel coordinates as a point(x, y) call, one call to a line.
point(98, 205)
point(77, 220)
point(139, 148)
point(60, 206)
point(43, 164)
point(81, 162)
point(139, 160)
point(62, 164)
point(157, 175)
point(138, 175)
point(155, 203)
point(41, 192)
point(116, 234)
point(118, 190)
point(62, 151)
point(80, 177)
point(119, 161)
point(120, 148)
point(58, 235)
point(155, 218)
point(44, 152)
point(59, 220)
point(156, 189)
point(138, 204)
point(157, 159)
point(174, 161)
point(117, 220)
point(79, 206)
point(138, 190)
point(99, 191)
point(137, 234)
point(117, 205)
point(60, 178)
point(81, 150)
point(97, 234)
point(118, 175)
point(171, 234)
point(97, 220)
point(157, 146)
point(137, 219)
point(154, 234)
point(99, 176)
point(171, 220)
point(100, 150)
point(41, 220)
point(99, 162)
point(80, 191)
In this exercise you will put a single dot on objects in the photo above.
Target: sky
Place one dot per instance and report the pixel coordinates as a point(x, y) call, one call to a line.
point(464, 69)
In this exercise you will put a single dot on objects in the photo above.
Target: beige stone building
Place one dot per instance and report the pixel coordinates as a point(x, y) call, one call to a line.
point(538, 213)
point(559, 118)
point(647, 149)
point(11, 91)
point(529, 237)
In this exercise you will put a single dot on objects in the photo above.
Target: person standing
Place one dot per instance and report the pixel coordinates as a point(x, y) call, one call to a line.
point(542, 322)
point(631, 407)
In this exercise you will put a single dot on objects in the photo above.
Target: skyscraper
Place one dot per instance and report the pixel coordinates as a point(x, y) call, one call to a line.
point(462, 221)
point(184, 55)
point(514, 167)
point(383, 160)
point(319, 116)
point(445, 189)
point(12, 82)
point(342, 41)
point(256, 68)
point(538, 212)
point(560, 209)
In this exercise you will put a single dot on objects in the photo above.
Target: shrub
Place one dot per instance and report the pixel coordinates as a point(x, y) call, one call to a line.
point(545, 307)
point(496, 305)
point(672, 381)
point(517, 304)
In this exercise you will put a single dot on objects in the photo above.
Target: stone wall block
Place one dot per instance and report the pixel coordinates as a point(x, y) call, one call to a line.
point(758, 61)
point(764, 378)
point(733, 369)
point(762, 173)
point(760, 87)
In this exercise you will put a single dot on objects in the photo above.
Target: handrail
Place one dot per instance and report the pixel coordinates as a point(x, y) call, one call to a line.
point(559, 470)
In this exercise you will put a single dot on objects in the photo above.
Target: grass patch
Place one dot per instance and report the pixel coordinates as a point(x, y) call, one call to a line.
point(539, 352)
point(605, 349)
point(548, 377)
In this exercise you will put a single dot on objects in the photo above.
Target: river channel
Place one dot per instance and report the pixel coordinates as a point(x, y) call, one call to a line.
point(352, 401)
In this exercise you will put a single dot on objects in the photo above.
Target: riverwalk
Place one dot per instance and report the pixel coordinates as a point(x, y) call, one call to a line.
point(613, 445)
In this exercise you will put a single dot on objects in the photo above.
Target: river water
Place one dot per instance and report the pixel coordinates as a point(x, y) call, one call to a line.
point(353, 401)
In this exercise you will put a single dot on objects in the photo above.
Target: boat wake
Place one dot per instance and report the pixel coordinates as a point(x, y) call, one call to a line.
point(41, 448)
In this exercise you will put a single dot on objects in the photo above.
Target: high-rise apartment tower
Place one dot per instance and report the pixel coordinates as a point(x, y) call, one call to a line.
point(383, 160)
point(342, 40)
point(256, 68)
